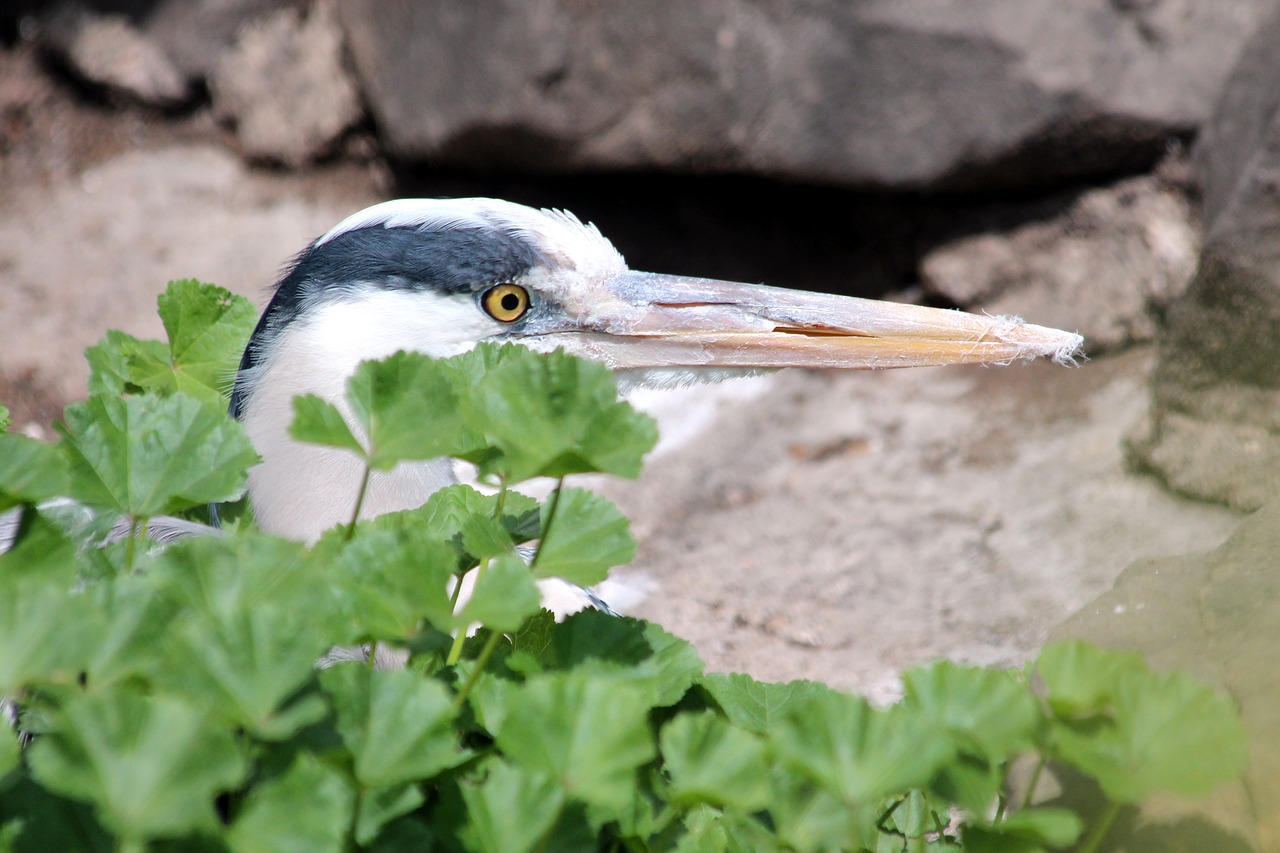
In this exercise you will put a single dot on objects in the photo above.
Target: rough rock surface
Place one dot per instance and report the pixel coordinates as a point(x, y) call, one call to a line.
point(109, 51)
point(284, 87)
point(1103, 265)
point(908, 93)
point(92, 253)
point(1216, 615)
point(1215, 426)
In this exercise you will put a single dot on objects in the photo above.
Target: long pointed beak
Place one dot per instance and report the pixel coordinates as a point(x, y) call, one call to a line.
point(647, 320)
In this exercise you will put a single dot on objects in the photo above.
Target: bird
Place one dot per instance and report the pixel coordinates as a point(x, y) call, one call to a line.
point(439, 276)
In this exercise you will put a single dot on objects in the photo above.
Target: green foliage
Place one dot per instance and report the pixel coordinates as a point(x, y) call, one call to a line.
point(176, 703)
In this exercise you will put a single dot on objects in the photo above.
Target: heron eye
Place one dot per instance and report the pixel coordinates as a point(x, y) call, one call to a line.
point(505, 303)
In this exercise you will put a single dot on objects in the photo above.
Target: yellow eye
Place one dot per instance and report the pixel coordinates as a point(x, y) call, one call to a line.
point(505, 303)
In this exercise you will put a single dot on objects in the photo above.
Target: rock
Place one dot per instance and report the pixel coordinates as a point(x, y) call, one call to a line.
point(1098, 262)
point(919, 94)
point(1216, 615)
point(196, 33)
point(284, 87)
point(109, 51)
point(1215, 427)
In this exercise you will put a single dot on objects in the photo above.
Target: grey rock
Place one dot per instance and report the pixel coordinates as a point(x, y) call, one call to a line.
point(109, 51)
point(1099, 262)
point(285, 88)
point(196, 33)
point(903, 94)
point(1216, 615)
point(1215, 425)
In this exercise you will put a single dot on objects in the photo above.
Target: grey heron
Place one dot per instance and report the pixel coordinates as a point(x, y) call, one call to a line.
point(440, 275)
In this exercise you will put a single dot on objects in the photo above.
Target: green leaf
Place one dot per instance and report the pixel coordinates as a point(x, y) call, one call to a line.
point(1167, 733)
point(398, 726)
point(991, 711)
point(207, 328)
point(256, 618)
point(1080, 679)
point(150, 764)
point(5, 420)
point(30, 471)
point(712, 761)
point(553, 415)
point(46, 632)
point(409, 409)
point(755, 705)
point(451, 509)
point(511, 810)
point(505, 595)
point(35, 820)
point(317, 421)
point(307, 808)
point(588, 733)
point(109, 362)
point(1026, 831)
point(810, 818)
point(147, 455)
point(583, 537)
point(9, 751)
point(639, 652)
point(858, 752)
point(380, 806)
point(387, 581)
point(135, 616)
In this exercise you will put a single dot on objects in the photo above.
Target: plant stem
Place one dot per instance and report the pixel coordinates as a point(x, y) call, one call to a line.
point(455, 651)
point(1100, 829)
point(355, 515)
point(485, 653)
point(554, 500)
point(1031, 785)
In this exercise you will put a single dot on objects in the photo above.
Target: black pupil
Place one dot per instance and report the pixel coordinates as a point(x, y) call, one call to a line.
point(510, 302)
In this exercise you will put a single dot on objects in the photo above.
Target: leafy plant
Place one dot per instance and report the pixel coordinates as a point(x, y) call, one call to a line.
point(175, 702)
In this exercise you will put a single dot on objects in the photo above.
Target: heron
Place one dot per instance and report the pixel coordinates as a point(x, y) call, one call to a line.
point(439, 276)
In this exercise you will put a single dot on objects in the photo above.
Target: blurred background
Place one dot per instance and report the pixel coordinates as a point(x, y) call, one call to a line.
point(1106, 166)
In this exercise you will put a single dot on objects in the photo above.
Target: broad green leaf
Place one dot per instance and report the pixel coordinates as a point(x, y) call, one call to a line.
point(33, 819)
point(306, 809)
point(713, 761)
point(151, 765)
point(147, 455)
point(256, 618)
point(387, 581)
point(991, 711)
point(5, 420)
point(1026, 831)
point(207, 328)
point(510, 810)
point(588, 733)
point(109, 362)
point(380, 806)
point(397, 725)
point(553, 415)
point(30, 471)
point(1166, 733)
point(448, 511)
point(583, 537)
point(639, 652)
point(505, 595)
point(47, 633)
point(8, 751)
point(135, 619)
point(484, 537)
point(409, 409)
point(758, 706)
point(858, 752)
point(317, 421)
point(1080, 679)
point(704, 832)
point(810, 818)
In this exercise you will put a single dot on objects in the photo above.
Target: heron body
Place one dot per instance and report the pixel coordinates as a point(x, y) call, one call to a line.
point(438, 276)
